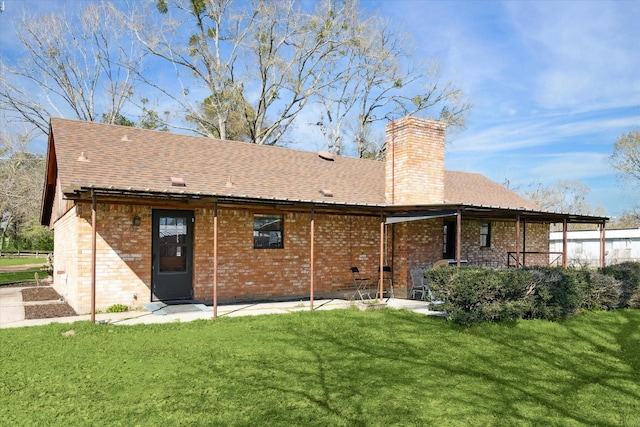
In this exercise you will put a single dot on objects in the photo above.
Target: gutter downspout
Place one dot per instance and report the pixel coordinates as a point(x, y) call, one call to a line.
point(311, 258)
point(381, 268)
point(393, 162)
point(94, 204)
point(458, 236)
point(602, 244)
point(215, 259)
point(564, 243)
point(518, 240)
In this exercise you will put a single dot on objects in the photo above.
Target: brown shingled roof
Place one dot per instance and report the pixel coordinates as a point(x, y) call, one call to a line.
point(134, 159)
point(475, 189)
point(148, 160)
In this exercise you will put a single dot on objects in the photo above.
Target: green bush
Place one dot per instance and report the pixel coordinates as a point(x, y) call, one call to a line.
point(561, 291)
point(605, 292)
point(628, 273)
point(473, 295)
point(117, 308)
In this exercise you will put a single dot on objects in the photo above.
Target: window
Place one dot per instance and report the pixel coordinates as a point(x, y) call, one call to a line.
point(267, 231)
point(172, 244)
point(485, 235)
point(445, 236)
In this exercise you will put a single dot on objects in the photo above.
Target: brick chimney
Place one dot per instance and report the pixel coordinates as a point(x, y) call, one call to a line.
point(414, 167)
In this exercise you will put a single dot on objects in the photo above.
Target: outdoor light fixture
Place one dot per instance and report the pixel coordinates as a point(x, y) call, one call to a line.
point(136, 221)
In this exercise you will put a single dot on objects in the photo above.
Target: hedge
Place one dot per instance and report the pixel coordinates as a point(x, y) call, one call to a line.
point(472, 295)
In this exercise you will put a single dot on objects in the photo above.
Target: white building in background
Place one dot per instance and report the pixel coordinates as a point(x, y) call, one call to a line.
point(583, 247)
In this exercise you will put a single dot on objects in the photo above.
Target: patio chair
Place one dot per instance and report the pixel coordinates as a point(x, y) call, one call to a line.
point(387, 283)
point(429, 295)
point(421, 286)
point(418, 287)
point(361, 284)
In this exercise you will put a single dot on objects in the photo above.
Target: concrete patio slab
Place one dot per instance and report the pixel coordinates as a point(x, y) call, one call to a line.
point(12, 311)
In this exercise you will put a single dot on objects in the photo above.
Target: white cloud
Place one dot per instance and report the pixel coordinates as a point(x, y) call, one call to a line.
point(587, 52)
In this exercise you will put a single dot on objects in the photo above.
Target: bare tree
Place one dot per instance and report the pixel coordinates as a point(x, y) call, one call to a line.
point(567, 196)
point(73, 67)
point(626, 155)
point(202, 39)
point(268, 57)
point(375, 82)
point(21, 175)
point(562, 196)
point(628, 219)
point(298, 53)
point(269, 60)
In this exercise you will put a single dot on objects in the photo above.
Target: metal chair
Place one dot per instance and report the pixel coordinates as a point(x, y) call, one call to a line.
point(386, 277)
point(361, 284)
point(418, 287)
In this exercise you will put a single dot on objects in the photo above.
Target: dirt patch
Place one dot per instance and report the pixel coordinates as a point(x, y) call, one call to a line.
point(44, 293)
point(55, 308)
point(47, 311)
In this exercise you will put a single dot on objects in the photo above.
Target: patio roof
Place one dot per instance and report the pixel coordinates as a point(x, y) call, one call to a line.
point(392, 213)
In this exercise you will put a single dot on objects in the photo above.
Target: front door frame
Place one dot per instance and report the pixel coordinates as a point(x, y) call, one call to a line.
point(175, 283)
point(449, 232)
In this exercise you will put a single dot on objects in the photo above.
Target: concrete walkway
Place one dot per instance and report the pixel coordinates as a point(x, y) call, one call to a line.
point(12, 311)
point(11, 306)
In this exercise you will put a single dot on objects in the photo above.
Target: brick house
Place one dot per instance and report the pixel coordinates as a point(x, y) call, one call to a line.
point(140, 216)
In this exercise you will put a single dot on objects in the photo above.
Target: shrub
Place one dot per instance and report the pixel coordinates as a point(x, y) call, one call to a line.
point(604, 292)
point(473, 295)
point(117, 308)
point(561, 291)
point(628, 273)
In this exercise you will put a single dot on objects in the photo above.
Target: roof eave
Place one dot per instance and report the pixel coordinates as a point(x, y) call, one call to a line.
point(77, 192)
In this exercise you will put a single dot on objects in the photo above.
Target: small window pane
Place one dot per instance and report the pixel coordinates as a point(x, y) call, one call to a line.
point(444, 239)
point(268, 231)
point(173, 258)
point(173, 236)
point(485, 235)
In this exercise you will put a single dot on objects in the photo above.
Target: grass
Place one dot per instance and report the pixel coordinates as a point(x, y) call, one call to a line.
point(6, 261)
point(21, 276)
point(339, 368)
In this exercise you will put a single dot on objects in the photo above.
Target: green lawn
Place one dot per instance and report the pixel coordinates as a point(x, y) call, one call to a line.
point(21, 276)
point(334, 368)
point(6, 261)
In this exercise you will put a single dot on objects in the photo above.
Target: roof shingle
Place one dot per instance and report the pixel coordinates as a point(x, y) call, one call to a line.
point(146, 160)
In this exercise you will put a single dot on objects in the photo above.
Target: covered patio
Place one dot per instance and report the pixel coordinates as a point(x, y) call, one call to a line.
point(520, 217)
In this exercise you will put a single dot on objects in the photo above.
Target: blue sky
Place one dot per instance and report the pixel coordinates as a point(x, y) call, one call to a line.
point(552, 83)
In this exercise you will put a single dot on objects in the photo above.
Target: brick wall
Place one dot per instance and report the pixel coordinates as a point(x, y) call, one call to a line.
point(503, 240)
point(123, 256)
point(65, 261)
point(415, 244)
point(123, 273)
point(414, 168)
point(248, 273)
